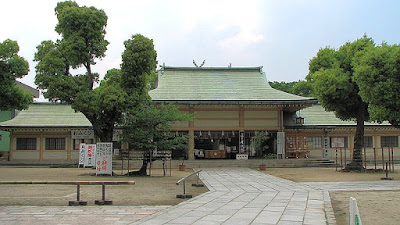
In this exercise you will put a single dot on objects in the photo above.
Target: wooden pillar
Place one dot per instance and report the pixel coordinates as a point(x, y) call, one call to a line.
point(241, 117)
point(280, 119)
point(13, 144)
point(41, 145)
point(191, 144)
point(69, 146)
point(191, 136)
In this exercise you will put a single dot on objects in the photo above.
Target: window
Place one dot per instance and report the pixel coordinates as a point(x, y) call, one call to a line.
point(339, 142)
point(55, 143)
point(314, 142)
point(26, 143)
point(76, 142)
point(368, 142)
point(389, 141)
point(296, 142)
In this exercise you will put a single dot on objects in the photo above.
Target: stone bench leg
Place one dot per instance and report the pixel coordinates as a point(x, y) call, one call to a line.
point(78, 201)
point(103, 200)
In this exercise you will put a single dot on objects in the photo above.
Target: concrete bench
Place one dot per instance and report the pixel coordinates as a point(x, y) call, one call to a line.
point(78, 184)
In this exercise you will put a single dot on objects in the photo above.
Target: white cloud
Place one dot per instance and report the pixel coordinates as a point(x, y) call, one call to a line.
point(241, 40)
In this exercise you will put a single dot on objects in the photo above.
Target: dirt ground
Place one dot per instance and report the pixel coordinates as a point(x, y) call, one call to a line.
point(154, 190)
point(376, 207)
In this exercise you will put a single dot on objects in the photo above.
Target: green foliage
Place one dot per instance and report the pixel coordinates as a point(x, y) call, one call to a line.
point(12, 66)
point(260, 140)
point(150, 127)
point(83, 31)
point(303, 88)
point(332, 74)
point(138, 62)
point(283, 86)
point(83, 41)
point(333, 80)
point(377, 72)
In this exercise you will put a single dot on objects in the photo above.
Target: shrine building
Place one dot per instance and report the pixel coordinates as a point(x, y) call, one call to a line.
point(231, 105)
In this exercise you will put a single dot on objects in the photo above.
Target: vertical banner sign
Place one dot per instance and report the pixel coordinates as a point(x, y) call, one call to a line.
point(280, 142)
point(90, 155)
point(82, 154)
point(326, 147)
point(241, 142)
point(104, 158)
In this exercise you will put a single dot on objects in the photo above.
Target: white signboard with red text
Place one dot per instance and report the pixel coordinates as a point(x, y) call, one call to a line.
point(104, 158)
point(90, 155)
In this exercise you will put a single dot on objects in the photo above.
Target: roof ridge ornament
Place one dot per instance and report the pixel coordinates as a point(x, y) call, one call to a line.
point(202, 64)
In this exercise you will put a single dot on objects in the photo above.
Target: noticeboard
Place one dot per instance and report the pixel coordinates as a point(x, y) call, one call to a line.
point(104, 152)
point(90, 155)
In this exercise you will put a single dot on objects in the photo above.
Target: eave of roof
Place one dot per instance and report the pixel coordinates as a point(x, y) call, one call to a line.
point(315, 117)
point(45, 115)
point(238, 102)
point(220, 85)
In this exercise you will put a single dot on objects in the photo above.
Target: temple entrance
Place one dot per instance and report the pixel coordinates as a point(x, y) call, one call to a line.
point(234, 144)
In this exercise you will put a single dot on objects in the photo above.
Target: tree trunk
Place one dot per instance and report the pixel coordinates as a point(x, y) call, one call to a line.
point(89, 75)
point(142, 171)
point(356, 163)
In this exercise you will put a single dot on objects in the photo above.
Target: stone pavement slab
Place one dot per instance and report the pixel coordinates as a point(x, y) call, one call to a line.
point(236, 196)
point(30, 215)
point(246, 196)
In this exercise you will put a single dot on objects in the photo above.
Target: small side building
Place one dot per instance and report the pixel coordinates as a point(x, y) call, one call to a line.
point(7, 115)
point(46, 132)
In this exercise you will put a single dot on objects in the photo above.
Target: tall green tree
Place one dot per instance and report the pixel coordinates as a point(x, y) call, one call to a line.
point(149, 128)
point(83, 42)
point(12, 66)
point(377, 73)
point(334, 84)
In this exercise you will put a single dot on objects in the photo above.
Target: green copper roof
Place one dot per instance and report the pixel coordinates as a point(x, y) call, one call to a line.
point(317, 116)
point(48, 115)
point(218, 84)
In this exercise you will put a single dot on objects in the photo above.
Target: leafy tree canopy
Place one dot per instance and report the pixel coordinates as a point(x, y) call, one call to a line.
point(377, 72)
point(283, 86)
point(150, 128)
point(83, 42)
point(334, 85)
point(12, 66)
point(301, 87)
point(333, 81)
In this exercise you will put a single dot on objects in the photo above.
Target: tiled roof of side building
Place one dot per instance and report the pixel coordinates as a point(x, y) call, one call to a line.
point(317, 116)
point(218, 84)
point(48, 115)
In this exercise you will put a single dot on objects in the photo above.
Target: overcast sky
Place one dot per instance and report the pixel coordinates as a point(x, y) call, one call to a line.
point(280, 35)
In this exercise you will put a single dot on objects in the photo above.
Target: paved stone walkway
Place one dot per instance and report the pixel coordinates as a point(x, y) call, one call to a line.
point(29, 215)
point(237, 196)
point(244, 196)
